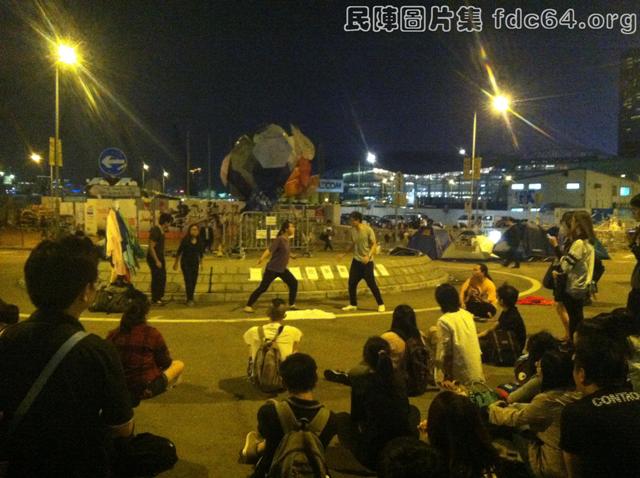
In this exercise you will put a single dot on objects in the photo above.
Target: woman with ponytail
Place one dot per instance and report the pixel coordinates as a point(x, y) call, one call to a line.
point(148, 367)
point(280, 253)
point(380, 409)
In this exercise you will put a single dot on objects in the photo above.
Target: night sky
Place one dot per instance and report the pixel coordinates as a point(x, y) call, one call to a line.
point(228, 67)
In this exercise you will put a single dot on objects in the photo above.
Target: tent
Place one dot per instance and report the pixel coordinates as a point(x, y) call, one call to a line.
point(431, 245)
point(469, 246)
point(534, 243)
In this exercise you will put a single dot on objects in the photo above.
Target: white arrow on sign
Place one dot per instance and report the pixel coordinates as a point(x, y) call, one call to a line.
point(112, 161)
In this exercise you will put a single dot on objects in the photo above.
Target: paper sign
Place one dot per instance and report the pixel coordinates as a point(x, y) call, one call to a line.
point(255, 274)
point(327, 273)
point(271, 220)
point(343, 272)
point(382, 270)
point(261, 233)
point(296, 272)
point(312, 273)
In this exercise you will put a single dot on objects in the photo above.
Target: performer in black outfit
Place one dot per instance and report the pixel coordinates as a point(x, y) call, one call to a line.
point(189, 256)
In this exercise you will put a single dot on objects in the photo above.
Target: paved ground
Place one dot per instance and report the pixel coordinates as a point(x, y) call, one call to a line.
point(210, 412)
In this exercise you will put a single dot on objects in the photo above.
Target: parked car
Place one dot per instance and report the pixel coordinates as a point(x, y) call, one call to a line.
point(481, 220)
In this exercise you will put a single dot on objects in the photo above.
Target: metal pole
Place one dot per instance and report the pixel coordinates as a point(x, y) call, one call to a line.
point(188, 162)
point(142, 185)
point(209, 161)
point(473, 163)
point(56, 141)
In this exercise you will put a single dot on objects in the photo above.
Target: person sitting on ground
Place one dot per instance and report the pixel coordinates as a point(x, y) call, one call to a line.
point(599, 433)
point(454, 341)
point(408, 350)
point(299, 376)
point(65, 432)
point(542, 455)
point(287, 337)
point(380, 409)
point(509, 321)
point(9, 314)
point(478, 293)
point(408, 457)
point(537, 345)
point(455, 429)
point(148, 366)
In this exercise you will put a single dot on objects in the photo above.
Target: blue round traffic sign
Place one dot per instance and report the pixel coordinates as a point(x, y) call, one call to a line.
point(112, 162)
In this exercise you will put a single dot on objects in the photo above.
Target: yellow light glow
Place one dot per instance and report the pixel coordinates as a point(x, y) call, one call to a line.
point(500, 103)
point(35, 157)
point(67, 54)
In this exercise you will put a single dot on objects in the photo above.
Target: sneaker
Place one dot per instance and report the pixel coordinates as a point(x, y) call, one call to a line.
point(381, 308)
point(337, 376)
point(293, 307)
point(249, 453)
point(190, 303)
point(159, 302)
point(248, 309)
point(349, 308)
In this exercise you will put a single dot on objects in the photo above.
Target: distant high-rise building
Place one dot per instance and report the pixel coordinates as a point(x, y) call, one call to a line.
point(629, 121)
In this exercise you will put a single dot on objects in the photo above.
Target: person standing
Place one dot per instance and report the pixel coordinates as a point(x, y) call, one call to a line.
point(327, 236)
point(633, 299)
point(577, 266)
point(363, 245)
point(280, 253)
point(189, 256)
point(206, 236)
point(155, 258)
point(513, 237)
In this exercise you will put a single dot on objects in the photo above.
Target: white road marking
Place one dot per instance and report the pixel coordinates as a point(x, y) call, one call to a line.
point(157, 319)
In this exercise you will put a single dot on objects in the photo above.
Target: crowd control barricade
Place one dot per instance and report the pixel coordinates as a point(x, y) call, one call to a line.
point(258, 229)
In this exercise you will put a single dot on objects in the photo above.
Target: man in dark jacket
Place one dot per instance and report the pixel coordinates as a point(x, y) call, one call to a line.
point(633, 300)
point(513, 237)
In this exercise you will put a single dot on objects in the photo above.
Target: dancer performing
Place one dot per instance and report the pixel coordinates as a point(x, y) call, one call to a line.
point(363, 245)
point(277, 267)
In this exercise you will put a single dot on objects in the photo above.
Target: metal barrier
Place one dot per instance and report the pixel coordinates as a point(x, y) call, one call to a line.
point(258, 229)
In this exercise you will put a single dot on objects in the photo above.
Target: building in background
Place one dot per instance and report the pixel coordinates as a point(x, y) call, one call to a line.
point(629, 120)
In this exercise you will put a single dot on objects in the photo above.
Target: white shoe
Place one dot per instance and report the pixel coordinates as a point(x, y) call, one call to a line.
point(249, 310)
point(381, 308)
point(349, 308)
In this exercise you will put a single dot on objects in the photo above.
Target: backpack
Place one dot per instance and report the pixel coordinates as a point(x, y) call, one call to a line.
point(419, 367)
point(300, 453)
point(265, 373)
point(503, 349)
point(112, 298)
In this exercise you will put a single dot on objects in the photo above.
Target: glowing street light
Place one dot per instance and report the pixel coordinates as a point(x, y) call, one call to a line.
point(500, 103)
point(371, 158)
point(67, 54)
point(462, 151)
point(165, 175)
point(145, 167)
point(36, 158)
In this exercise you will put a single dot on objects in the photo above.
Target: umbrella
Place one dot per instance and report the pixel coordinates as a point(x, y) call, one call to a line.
point(224, 170)
point(272, 148)
point(303, 147)
point(242, 165)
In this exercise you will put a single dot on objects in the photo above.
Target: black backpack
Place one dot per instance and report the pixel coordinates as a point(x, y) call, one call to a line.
point(503, 348)
point(112, 298)
point(420, 373)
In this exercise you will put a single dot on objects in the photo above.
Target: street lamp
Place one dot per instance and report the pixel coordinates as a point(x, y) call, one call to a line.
point(66, 54)
point(371, 159)
point(499, 103)
point(462, 151)
point(36, 158)
point(165, 175)
point(145, 167)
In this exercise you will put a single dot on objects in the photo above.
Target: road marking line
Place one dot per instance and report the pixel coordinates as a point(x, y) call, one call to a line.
point(535, 286)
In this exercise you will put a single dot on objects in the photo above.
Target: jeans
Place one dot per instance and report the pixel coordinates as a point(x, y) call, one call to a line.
point(190, 274)
point(158, 279)
point(357, 272)
point(268, 277)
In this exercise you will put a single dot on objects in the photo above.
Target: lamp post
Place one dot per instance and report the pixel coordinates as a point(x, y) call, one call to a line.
point(145, 167)
point(371, 159)
point(66, 55)
point(165, 175)
point(500, 104)
point(36, 158)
